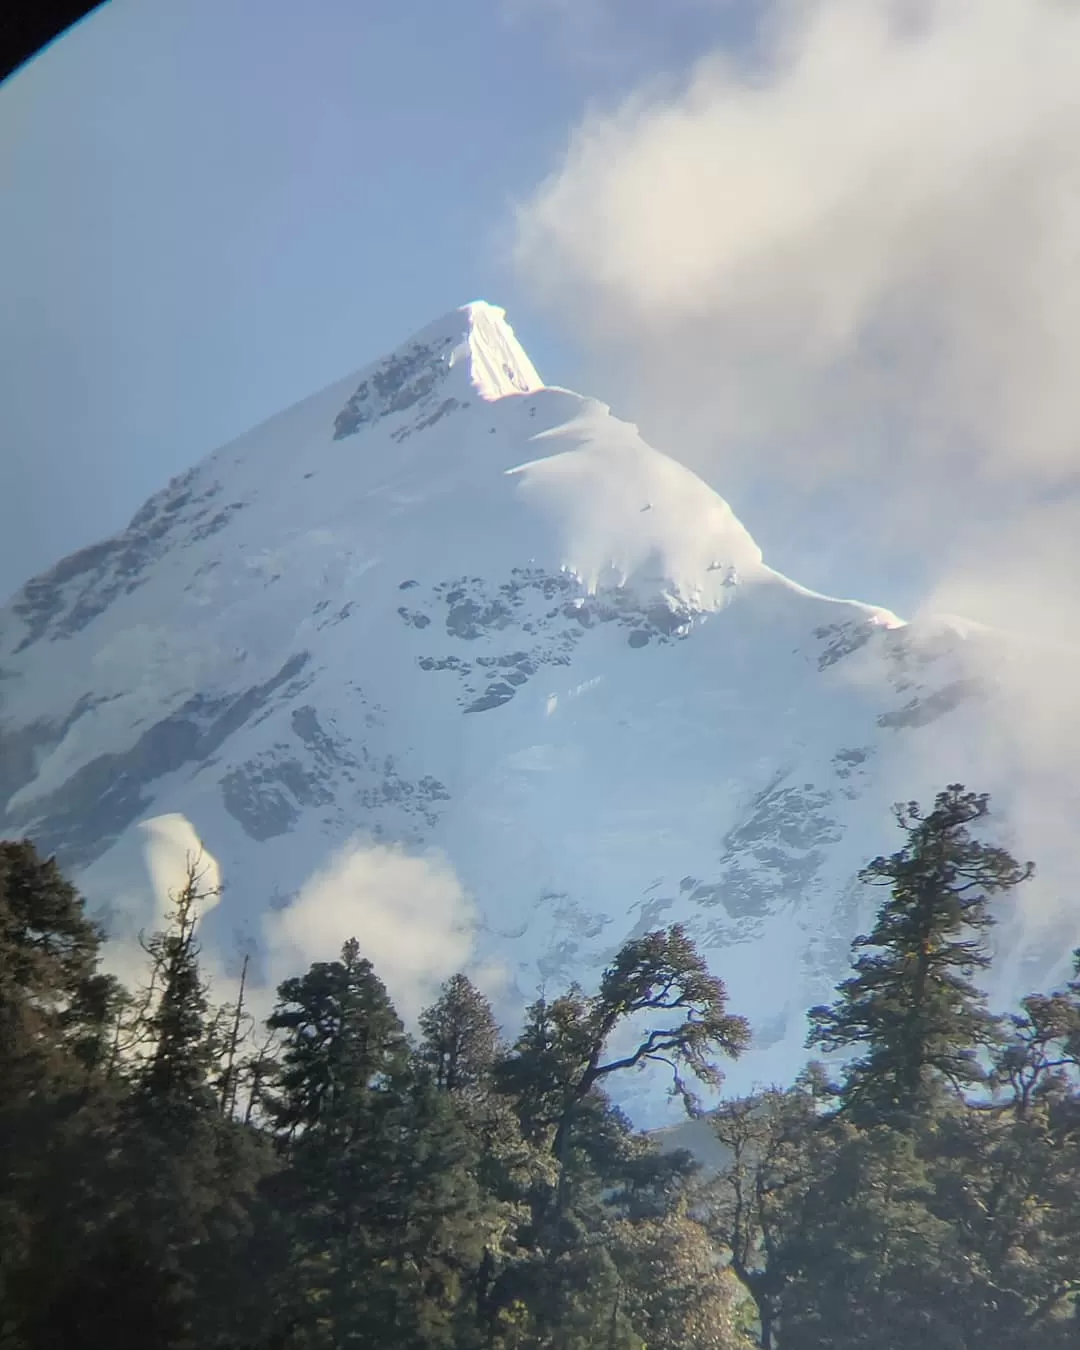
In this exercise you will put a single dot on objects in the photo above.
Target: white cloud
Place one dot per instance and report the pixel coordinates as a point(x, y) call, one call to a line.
point(409, 913)
point(862, 247)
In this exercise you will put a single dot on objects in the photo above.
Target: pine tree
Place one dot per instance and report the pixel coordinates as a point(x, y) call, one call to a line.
point(450, 1223)
point(460, 1038)
point(382, 1183)
point(53, 1002)
point(1041, 1052)
point(176, 1074)
point(556, 1074)
point(455, 1196)
point(54, 1013)
point(910, 1004)
point(240, 1024)
point(866, 1261)
point(337, 1111)
point(184, 1176)
point(564, 1300)
point(342, 1045)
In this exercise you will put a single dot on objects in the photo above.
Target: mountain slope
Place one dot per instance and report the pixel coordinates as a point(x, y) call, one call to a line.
point(440, 607)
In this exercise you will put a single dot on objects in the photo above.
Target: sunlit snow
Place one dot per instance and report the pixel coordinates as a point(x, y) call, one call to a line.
point(441, 612)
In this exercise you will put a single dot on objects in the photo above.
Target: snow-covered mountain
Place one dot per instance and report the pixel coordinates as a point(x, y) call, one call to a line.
point(448, 638)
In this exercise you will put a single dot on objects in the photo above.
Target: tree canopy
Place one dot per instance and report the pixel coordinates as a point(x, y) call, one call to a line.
point(177, 1176)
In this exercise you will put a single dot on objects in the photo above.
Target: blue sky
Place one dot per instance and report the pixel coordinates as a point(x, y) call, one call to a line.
point(821, 250)
point(214, 209)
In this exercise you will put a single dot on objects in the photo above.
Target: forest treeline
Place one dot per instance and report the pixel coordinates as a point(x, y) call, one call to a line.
point(175, 1177)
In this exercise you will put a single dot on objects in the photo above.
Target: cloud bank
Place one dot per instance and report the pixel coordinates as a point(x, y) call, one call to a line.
point(851, 260)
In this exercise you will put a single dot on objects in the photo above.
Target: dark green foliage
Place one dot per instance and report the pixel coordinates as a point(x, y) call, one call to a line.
point(896, 1209)
point(675, 1293)
point(176, 1071)
point(53, 1013)
point(53, 1004)
point(867, 1262)
point(460, 1038)
point(663, 976)
point(555, 1077)
point(911, 1005)
point(116, 1220)
point(752, 1208)
point(171, 1183)
point(661, 980)
point(343, 1046)
point(338, 1112)
point(1041, 1048)
point(113, 1294)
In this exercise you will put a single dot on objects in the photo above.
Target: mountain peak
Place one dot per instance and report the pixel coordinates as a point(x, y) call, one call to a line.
point(461, 663)
point(500, 365)
point(478, 336)
point(467, 354)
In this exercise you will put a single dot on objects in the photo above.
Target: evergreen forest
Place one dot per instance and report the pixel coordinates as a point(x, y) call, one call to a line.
point(180, 1175)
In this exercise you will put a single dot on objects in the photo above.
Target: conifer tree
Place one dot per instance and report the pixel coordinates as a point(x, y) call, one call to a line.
point(343, 1045)
point(51, 995)
point(181, 1051)
point(337, 1111)
point(460, 1038)
point(1009, 1176)
point(1040, 1055)
point(54, 1008)
point(240, 1024)
point(910, 1006)
point(455, 1196)
point(867, 1262)
point(185, 1175)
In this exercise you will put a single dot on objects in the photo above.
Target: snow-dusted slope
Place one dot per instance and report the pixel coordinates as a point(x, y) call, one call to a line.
point(442, 607)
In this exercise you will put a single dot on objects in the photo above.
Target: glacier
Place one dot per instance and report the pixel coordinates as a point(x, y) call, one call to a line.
point(445, 628)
